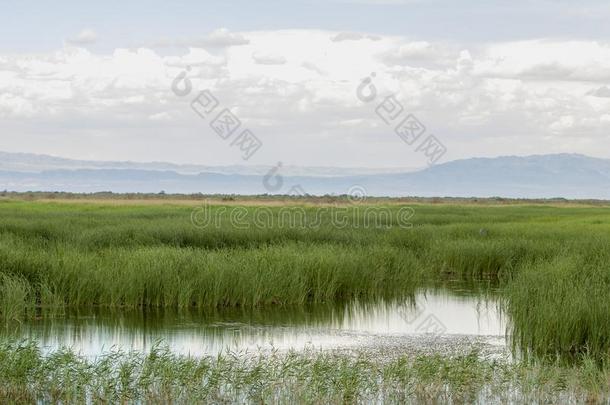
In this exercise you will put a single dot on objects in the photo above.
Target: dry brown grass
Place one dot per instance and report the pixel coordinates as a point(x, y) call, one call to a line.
point(280, 201)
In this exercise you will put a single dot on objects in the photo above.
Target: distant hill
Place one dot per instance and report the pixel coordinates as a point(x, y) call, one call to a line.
point(540, 176)
point(32, 163)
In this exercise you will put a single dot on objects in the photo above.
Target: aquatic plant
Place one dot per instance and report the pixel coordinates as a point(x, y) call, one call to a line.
point(296, 377)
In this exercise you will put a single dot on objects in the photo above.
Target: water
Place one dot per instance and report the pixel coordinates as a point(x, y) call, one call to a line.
point(444, 313)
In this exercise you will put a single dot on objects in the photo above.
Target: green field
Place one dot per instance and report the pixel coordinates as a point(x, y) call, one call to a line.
point(551, 263)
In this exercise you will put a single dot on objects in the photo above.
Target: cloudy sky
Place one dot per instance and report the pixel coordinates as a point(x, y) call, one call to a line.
point(93, 80)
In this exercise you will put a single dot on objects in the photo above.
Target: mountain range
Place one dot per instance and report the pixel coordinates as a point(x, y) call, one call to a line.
point(569, 176)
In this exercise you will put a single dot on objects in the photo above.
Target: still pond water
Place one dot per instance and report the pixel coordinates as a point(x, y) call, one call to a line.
point(446, 312)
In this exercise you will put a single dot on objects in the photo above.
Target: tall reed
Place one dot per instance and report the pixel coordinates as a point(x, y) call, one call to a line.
point(551, 262)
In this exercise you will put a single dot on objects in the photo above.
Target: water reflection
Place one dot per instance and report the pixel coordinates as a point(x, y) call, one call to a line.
point(437, 311)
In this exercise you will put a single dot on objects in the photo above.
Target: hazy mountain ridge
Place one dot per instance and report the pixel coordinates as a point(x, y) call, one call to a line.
point(538, 176)
point(33, 163)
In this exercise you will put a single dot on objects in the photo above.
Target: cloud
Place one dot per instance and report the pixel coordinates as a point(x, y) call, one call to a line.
point(85, 37)
point(268, 59)
point(494, 98)
point(603, 92)
point(220, 38)
point(353, 36)
point(422, 54)
point(313, 68)
point(162, 116)
point(547, 61)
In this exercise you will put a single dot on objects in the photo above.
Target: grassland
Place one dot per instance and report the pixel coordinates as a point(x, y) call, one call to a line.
point(552, 262)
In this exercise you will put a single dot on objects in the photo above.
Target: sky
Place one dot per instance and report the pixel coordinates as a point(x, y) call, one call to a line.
point(98, 80)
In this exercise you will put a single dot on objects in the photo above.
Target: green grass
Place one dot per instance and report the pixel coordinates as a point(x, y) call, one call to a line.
point(28, 376)
point(552, 263)
point(561, 308)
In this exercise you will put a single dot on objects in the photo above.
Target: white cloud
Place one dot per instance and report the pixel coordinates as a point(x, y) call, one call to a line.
point(601, 92)
point(220, 38)
point(162, 116)
point(268, 59)
point(85, 37)
point(297, 90)
point(313, 67)
point(353, 36)
point(548, 61)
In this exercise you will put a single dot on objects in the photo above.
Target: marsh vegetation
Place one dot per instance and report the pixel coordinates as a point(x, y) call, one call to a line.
point(550, 266)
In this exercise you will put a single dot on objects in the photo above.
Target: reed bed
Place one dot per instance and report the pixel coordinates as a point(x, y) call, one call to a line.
point(551, 263)
point(30, 376)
